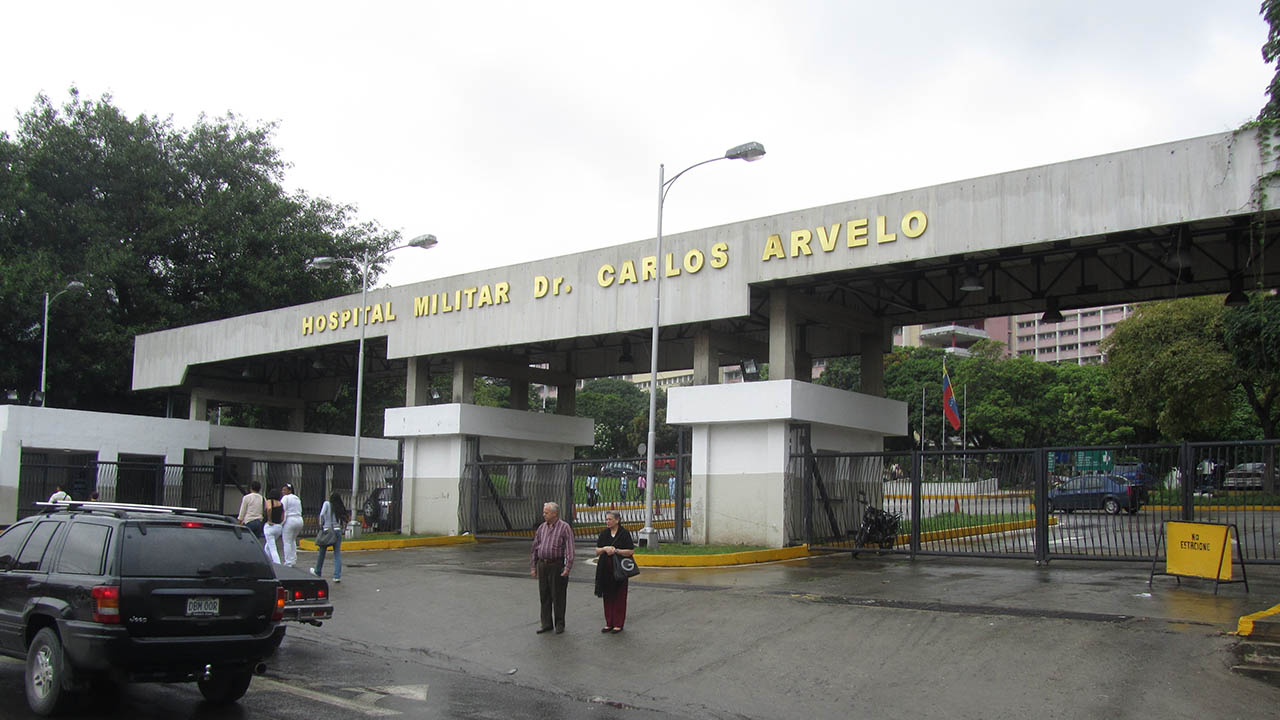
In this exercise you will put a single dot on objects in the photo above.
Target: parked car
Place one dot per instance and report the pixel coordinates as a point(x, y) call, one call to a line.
point(93, 595)
point(379, 509)
point(1245, 476)
point(1112, 493)
point(306, 596)
point(1136, 472)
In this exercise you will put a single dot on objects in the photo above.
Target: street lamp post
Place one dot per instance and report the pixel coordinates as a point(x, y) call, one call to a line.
point(44, 329)
point(424, 242)
point(750, 152)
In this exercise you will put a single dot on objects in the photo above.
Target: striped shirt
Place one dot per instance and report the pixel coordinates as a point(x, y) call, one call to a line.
point(552, 543)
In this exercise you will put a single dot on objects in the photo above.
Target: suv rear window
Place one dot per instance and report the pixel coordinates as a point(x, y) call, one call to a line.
point(172, 550)
point(85, 549)
point(33, 552)
point(11, 542)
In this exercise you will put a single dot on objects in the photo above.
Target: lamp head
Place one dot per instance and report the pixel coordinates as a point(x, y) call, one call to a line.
point(1051, 312)
point(750, 152)
point(75, 285)
point(971, 282)
point(423, 241)
point(320, 263)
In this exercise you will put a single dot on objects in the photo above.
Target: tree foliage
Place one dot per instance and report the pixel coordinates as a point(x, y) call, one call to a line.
point(1270, 53)
point(165, 226)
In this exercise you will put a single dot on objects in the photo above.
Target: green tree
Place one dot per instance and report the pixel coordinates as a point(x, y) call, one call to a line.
point(165, 227)
point(1251, 334)
point(613, 404)
point(1171, 368)
point(1270, 11)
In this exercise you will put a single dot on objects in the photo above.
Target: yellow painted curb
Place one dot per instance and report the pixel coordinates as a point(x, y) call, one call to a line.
point(394, 544)
point(1244, 626)
point(738, 558)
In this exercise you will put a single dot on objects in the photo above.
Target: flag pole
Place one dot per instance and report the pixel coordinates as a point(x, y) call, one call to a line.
point(964, 431)
point(922, 408)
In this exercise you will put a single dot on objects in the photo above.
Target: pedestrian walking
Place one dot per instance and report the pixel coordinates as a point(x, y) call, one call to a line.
point(253, 509)
point(292, 523)
point(273, 528)
point(640, 486)
point(333, 516)
point(550, 560)
point(614, 541)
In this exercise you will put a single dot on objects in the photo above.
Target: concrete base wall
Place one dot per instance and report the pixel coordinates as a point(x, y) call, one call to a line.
point(741, 436)
point(435, 454)
point(110, 435)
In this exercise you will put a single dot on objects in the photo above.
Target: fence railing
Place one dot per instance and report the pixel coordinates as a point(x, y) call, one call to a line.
point(1094, 503)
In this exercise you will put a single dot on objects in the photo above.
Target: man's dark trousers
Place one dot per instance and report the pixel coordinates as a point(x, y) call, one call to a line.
point(553, 590)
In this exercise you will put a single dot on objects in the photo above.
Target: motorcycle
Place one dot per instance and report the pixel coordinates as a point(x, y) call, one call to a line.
point(878, 528)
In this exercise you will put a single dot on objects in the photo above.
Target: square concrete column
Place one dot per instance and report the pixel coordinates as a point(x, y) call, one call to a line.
point(782, 336)
point(417, 386)
point(706, 361)
point(872, 349)
point(464, 381)
point(741, 449)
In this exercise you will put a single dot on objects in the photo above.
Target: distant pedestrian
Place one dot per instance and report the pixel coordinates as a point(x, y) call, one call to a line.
point(614, 540)
point(273, 528)
point(59, 495)
point(593, 493)
point(253, 509)
point(333, 516)
point(292, 523)
point(640, 486)
point(550, 559)
point(93, 496)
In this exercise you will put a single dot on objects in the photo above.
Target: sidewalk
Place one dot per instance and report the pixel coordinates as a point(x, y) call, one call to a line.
point(825, 637)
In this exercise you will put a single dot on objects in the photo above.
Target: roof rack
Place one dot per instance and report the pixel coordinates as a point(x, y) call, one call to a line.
point(90, 505)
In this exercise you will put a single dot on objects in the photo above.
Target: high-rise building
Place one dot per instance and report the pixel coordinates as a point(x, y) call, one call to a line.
point(1075, 339)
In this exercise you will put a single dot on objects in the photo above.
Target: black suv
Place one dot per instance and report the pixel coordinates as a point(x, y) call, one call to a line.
point(96, 594)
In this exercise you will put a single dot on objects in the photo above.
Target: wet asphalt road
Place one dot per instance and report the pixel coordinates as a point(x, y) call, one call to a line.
point(309, 679)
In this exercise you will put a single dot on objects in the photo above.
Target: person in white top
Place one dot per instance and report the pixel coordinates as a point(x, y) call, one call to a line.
point(292, 523)
point(59, 495)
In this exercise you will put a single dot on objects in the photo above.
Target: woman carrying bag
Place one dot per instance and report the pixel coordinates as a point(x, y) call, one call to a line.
point(614, 540)
point(333, 516)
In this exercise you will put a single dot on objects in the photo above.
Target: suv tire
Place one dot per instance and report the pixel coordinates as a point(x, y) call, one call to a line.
point(46, 666)
point(226, 687)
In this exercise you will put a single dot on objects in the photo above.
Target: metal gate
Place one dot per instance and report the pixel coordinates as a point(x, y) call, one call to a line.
point(504, 498)
point(1092, 503)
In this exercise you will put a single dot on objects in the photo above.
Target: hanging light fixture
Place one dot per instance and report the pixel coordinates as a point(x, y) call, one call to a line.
point(971, 282)
point(1236, 297)
point(1051, 312)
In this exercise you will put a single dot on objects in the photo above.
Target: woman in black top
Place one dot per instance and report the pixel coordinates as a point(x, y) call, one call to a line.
point(613, 540)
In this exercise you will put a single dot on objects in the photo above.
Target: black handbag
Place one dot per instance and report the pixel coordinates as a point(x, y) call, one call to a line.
point(624, 567)
point(326, 537)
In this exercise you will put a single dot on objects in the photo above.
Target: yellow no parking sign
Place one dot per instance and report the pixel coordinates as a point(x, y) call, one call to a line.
point(1201, 550)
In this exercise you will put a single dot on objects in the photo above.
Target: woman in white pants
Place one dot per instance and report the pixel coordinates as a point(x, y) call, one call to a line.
point(292, 523)
point(274, 525)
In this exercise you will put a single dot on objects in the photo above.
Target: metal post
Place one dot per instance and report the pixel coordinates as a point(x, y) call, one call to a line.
point(1041, 475)
point(678, 499)
point(353, 527)
point(647, 533)
point(44, 351)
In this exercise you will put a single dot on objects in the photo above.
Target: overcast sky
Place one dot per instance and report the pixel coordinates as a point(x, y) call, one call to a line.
point(520, 130)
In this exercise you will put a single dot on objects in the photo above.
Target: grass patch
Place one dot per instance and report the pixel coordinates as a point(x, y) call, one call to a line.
point(950, 521)
point(674, 549)
point(1219, 497)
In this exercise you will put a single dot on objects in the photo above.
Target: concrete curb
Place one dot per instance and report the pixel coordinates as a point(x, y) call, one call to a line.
point(738, 558)
point(305, 544)
point(1244, 626)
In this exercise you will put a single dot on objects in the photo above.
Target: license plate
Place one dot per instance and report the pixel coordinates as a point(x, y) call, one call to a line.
point(202, 606)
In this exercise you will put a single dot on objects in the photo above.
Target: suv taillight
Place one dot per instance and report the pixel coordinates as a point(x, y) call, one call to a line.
point(106, 604)
point(280, 598)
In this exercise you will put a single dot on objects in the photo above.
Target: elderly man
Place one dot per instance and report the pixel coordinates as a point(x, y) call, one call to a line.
point(550, 560)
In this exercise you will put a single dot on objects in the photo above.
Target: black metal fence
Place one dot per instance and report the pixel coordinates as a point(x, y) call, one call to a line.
point(1095, 503)
point(505, 498)
point(210, 489)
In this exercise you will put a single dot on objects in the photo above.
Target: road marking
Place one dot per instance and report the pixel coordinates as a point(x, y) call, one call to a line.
point(374, 694)
point(263, 683)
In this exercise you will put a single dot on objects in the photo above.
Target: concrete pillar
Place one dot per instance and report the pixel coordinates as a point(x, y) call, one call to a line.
point(873, 349)
point(519, 394)
point(297, 420)
point(199, 406)
point(782, 336)
point(706, 362)
point(566, 399)
point(417, 386)
point(464, 377)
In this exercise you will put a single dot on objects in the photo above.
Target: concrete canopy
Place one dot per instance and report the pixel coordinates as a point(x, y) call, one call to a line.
point(1171, 220)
